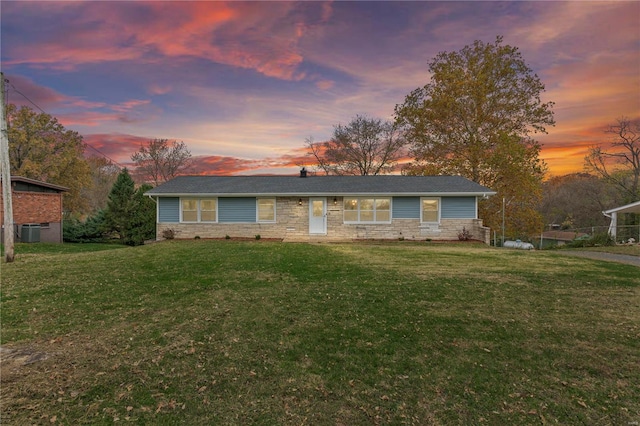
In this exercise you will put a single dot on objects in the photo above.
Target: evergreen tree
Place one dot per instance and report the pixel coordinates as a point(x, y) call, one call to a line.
point(93, 230)
point(129, 213)
point(142, 225)
point(120, 205)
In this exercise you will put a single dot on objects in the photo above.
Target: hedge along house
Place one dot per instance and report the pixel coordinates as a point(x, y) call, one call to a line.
point(37, 206)
point(320, 208)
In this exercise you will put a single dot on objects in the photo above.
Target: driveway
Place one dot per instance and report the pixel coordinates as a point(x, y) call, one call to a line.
point(620, 258)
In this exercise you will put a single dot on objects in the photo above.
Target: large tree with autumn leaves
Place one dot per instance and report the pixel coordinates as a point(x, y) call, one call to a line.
point(476, 118)
point(41, 148)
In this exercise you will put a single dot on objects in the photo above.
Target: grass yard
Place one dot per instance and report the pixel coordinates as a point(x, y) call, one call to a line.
point(247, 332)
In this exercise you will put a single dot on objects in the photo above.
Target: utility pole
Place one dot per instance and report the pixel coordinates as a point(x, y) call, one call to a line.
point(5, 170)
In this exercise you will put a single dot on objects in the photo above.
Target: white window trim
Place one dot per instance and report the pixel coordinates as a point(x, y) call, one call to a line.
point(439, 199)
point(275, 210)
point(374, 210)
point(182, 211)
point(198, 210)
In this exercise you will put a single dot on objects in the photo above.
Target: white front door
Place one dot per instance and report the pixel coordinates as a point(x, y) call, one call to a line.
point(318, 215)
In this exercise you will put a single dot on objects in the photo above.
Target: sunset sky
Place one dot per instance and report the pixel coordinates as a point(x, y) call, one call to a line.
point(243, 84)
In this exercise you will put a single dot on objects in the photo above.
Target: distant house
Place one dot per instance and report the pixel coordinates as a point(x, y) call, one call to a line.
point(37, 210)
point(320, 208)
point(560, 238)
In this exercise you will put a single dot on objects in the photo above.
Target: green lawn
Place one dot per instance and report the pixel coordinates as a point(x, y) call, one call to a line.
point(259, 332)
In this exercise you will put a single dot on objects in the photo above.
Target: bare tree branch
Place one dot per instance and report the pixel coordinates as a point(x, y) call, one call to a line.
point(365, 146)
point(621, 165)
point(159, 162)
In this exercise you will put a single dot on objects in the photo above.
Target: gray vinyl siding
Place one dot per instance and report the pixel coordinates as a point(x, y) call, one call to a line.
point(237, 209)
point(458, 208)
point(168, 209)
point(406, 208)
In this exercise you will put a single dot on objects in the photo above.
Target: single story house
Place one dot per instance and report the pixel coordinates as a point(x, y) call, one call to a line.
point(320, 208)
point(37, 210)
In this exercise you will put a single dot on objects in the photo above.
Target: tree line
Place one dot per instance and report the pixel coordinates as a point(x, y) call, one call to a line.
point(102, 201)
point(476, 117)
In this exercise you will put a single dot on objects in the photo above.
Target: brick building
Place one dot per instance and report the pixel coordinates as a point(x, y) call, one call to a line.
point(38, 205)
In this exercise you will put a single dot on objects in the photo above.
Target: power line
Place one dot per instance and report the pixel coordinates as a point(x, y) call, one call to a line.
point(105, 156)
point(44, 112)
point(25, 96)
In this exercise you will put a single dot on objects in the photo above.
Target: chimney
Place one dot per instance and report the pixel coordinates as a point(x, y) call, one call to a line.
point(303, 172)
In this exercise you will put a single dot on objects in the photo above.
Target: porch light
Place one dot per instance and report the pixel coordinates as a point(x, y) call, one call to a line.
point(335, 201)
point(299, 201)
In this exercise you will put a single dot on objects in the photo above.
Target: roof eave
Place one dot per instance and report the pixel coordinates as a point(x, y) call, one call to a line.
point(322, 194)
point(39, 183)
point(628, 208)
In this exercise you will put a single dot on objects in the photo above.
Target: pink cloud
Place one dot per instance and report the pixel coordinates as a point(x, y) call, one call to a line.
point(325, 84)
point(72, 110)
point(24, 91)
point(155, 89)
point(127, 112)
point(221, 165)
point(103, 33)
point(118, 147)
point(228, 165)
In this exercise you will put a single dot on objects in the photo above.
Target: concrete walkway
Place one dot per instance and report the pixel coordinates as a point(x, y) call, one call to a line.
point(620, 258)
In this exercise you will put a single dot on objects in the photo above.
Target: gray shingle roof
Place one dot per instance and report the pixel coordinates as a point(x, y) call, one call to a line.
point(319, 185)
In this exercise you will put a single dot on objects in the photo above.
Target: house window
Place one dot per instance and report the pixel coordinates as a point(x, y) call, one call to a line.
point(367, 210)
point(208, 210)
point(430, 210)
point(189, 210)
point(194, 210)
point(351, 209)
point(266, 209)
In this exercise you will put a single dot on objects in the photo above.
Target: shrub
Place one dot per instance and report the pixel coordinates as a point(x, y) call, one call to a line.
point(598, 239)
point(93, 230)
point(257, 236)
point(227, 237)
point(168, 234)
point(464, 235)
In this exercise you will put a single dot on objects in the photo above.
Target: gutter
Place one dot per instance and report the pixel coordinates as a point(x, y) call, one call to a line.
point(327, 194)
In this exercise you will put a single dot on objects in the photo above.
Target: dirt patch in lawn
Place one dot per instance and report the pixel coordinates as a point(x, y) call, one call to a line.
point(12, 358)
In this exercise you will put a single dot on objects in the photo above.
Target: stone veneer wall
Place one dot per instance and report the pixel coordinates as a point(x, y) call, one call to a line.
point(293, 225)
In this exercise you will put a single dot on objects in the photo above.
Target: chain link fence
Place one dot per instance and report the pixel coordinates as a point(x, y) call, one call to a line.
point(558, 237)
point(623, 232)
